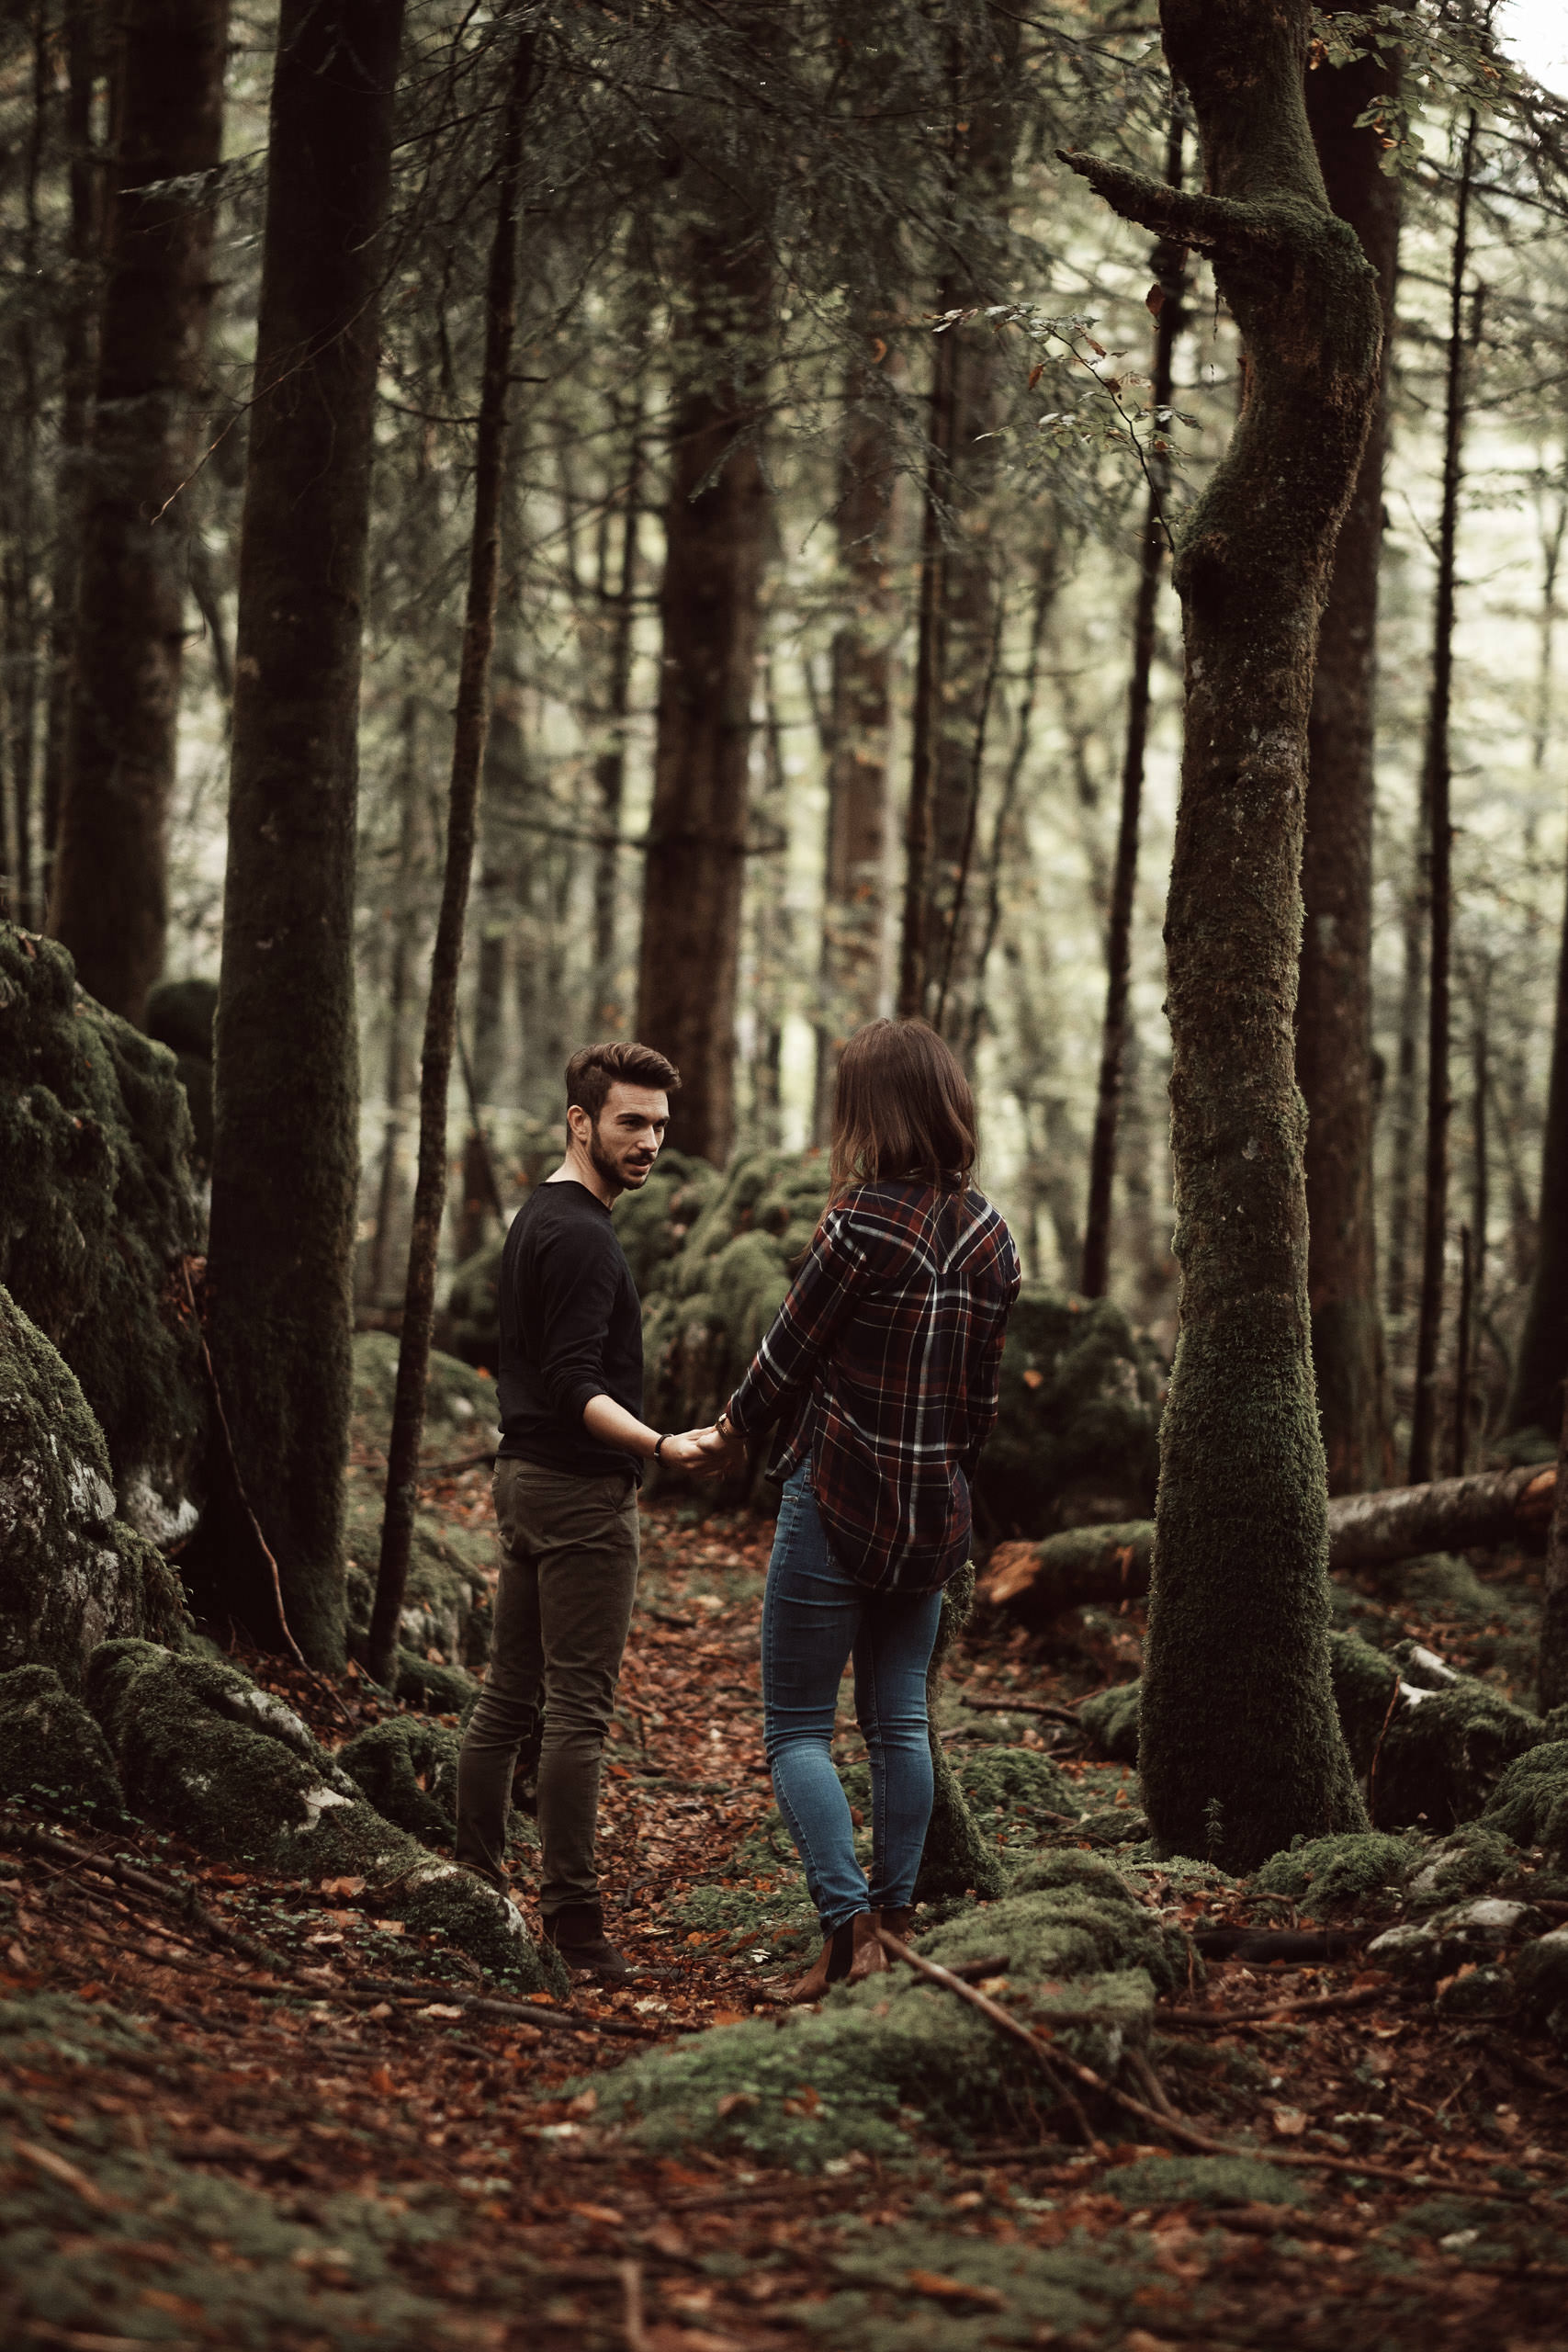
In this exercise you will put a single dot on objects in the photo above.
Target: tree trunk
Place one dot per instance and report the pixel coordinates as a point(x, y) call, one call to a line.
point(284, 1177)
point(404, 923)
point(1536, 1397)
point(960, 593)
point(20, 584)
point(1434, 1223)
point(472, 721)
point(1553, 1670)
point(1241, 1746)
point(78, 363)
point(859, 729)
point(1170, 278)
point(958, 1858)
point(610, 767)
point(109, 901)
point(715, 536)
point(1334, 1008)
point(1035, 1582)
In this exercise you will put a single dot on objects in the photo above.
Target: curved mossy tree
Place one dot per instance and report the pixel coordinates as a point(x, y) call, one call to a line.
point(1241, 1748)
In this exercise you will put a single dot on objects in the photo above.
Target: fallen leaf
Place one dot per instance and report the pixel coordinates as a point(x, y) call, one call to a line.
point(605, 2213)
point(342, 1886)
point(956, 2290)
point(583, 2104)
point(1290, 2123)
point(1033, 1379)
point(60, 2168)
point(439, 2009)
point(735, 2103)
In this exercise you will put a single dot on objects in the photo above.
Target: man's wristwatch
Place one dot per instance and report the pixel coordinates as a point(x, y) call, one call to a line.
point(659, 1447)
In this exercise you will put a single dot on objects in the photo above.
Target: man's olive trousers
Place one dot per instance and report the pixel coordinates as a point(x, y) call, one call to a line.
point(563, 1608)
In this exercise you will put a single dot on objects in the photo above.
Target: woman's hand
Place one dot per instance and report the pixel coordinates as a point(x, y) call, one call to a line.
point(693, 1451)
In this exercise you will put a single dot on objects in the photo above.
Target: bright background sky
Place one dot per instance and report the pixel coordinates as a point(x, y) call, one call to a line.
point(1536, 32)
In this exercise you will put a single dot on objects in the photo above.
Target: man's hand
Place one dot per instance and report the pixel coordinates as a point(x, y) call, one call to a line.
point(695, 1450)
point(724, 1448)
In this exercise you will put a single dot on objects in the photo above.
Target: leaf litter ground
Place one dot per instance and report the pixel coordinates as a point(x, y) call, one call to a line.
point(365, 2143)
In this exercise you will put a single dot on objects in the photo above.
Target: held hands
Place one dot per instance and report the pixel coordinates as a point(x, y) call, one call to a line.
point(706, 1454)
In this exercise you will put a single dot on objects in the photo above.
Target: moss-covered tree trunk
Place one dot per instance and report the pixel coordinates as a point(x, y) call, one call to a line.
point(286, 1155)
point(1552, 1672)
point(710, 611)
point(1241, 1746)
point(109, 893)
point(1536, 1398)
point(1334, 1008)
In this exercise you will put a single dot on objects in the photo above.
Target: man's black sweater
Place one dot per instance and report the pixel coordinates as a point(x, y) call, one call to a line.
point(570, 1329)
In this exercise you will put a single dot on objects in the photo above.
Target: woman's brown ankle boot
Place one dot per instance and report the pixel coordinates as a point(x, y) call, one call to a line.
point(867, 1959)
point(831, 1965)
point(897, 1922)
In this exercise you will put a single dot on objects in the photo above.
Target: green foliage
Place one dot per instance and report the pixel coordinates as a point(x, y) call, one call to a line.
point(96, 1209)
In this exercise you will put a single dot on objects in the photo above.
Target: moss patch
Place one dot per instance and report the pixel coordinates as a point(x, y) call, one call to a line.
point(1111, 1719)
point(407, 1767)
point(1530, 1804)
point(71, 1572)
point(1019, 2294)
point(1346, 1872)
point(203, 1751)
point(97, 1208)
point(872, 2061)
point(1076, 1441)
point(1206, 2181)
point(49, 1745)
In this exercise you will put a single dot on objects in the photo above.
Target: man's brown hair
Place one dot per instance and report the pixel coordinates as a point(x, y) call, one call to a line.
point(593, 1069)
point(902, 1110)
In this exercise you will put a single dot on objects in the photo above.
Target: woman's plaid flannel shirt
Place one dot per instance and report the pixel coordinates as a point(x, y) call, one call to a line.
point(883, 1366)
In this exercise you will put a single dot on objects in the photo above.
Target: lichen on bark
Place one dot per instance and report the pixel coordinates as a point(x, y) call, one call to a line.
point(1240, 1744)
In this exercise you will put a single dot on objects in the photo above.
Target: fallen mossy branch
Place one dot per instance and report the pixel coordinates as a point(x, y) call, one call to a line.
point(1037, 1581)
point(936, 1974)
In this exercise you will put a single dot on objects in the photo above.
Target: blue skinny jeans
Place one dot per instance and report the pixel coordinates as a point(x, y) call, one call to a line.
point(815, 1618)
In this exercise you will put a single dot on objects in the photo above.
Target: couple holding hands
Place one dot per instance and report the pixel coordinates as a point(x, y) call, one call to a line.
point(880, 1376)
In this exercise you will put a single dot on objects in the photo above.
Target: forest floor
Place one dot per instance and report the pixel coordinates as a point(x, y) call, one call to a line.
point(199, 2149)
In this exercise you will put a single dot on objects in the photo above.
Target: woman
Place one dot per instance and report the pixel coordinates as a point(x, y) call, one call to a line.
point(882, 1368)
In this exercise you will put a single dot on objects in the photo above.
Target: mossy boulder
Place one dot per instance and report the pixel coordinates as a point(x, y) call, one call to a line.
point(407, 1767)
point(1110, 1720)
point(1076, 1440)
point(180, 1014)
point(51, 1749)
point(1541, 1984)
point(1530, 1804)
point(1083, 1956)
point(1473, 1934)
point(1448, 1741)
point(1355, 1871)
point(97, 1209)
point(201, 1750)
point(72, 1573)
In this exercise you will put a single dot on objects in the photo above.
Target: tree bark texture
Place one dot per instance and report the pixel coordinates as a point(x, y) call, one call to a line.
point(610, 767)
point(108, 897)
point(1241, 1747)
point(715, 535)
point(960, 596)
point(1553, 1670)
point(1536, 1397)
point(1333, 1006)
point(1436, 800)
point(1170, 277)
point(859, 724)
point(1035, 1582)
point(285, 1162)
point(472, 721)
point(402, 917)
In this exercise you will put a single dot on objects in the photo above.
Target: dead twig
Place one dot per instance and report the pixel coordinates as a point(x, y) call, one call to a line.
point(632, 2327)
point(127, 1874)
point(1312, 2004)
point(1046, 2060)
point(1019, 1707)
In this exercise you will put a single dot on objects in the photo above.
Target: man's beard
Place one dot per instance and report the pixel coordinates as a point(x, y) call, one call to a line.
point(604, 1166)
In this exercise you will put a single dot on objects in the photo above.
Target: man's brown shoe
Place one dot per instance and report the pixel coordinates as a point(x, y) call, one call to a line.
point(577, 1931)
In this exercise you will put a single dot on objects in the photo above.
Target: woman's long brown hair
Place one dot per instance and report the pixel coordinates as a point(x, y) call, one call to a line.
point(902, 1110)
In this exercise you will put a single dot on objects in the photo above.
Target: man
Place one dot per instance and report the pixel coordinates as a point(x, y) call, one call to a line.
point(573, 1445)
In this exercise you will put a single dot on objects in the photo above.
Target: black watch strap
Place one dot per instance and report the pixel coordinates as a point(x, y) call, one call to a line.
point(659, 1447)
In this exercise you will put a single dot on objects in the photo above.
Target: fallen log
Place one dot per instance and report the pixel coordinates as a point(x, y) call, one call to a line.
point(1037, 1582)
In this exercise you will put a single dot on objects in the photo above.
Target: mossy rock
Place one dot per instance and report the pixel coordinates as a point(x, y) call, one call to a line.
point(51, 1749)
point(1110, 1720)
point(203, 1751)
point(1075, 1441)
point(71, 1574)
point(1364, 1681)
point(1541, 1983)
point(1445, 1749)
point(96, 1211)
point(407, 1767)
point(1530, 1804)
point(436, 1690)
point(1014, 1792)
point(1471, 1860)
point(1351, 1871)
point(1083, 1956)
point(460, 1402)
point(180, 1014)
